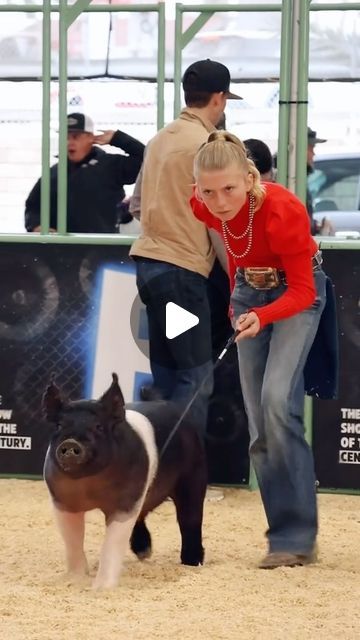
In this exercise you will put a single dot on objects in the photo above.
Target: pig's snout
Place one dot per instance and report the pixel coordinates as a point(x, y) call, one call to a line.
point(70, 452)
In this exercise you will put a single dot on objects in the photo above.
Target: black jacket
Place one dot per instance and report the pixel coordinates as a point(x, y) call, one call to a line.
point(309, 205)
point(321, 372)
point(95, 187)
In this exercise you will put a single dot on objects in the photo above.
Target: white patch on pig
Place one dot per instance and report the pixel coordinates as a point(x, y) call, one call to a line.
point(115, 545)
point(143, 427)
point(120, 525)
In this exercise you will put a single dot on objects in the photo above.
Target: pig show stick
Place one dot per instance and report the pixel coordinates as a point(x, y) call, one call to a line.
point(229, 343)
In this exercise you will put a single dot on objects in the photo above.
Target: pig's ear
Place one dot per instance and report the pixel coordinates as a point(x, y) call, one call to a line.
point(113, 400)
point(52, 402)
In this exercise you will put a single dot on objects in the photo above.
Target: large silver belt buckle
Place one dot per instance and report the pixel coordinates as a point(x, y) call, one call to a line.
point(262, 277)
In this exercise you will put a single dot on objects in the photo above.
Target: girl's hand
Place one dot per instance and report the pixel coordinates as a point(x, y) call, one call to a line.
point(248, 324)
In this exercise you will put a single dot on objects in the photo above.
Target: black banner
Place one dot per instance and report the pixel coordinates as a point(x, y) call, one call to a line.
point(65, 309)
point(336, 423)
point(73, 310)
point(227, 437)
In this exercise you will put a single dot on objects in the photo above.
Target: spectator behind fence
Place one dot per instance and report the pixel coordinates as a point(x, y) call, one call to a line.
point(174, 253)
point(95, 179)
point(261, 156)
point(325, 227)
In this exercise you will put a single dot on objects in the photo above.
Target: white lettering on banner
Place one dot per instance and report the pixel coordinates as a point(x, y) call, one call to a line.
point(15, 442)
point(8, 427)
point(5, 414)
point(350, 414)
point(349, 452)
point(349, 457)
point(350, 427)
point(9, 437)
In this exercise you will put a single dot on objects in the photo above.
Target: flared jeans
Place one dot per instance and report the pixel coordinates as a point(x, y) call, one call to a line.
point(271, 374)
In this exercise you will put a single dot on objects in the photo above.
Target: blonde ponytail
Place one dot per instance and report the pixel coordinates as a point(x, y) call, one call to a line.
point(223, 149)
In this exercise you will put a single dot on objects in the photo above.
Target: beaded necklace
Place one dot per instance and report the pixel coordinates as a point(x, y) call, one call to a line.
point(248, 231)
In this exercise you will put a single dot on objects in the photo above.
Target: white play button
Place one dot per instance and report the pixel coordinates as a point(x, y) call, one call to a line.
point(178, 320)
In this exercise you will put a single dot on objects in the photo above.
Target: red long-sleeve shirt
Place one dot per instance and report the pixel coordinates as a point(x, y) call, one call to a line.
point(281, 239)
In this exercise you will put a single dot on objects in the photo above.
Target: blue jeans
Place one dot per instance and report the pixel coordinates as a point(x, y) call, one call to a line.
point(180, 365)
point(271, 374)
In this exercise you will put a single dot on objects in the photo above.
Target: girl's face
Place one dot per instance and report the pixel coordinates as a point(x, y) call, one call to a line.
point(224, 191)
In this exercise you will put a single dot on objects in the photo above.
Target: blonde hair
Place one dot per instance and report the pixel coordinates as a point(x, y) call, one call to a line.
point(223, 149)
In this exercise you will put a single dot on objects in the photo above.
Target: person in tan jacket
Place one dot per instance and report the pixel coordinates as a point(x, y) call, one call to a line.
point(174, 253)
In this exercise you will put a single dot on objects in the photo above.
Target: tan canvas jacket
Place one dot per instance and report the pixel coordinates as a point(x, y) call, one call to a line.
point(169, 230)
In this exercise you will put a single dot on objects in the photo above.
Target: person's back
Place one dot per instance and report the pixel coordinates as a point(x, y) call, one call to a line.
point(174, 254)
point(168, 230)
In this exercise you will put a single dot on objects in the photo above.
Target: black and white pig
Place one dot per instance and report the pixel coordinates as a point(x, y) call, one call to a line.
point(103, 455)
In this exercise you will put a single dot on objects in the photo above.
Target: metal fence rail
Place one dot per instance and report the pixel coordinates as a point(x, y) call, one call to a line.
point(67, 15)
point(293, 77)
point(293, 80)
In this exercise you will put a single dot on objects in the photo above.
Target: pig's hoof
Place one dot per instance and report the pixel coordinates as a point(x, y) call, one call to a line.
point(193, 559)
point(192, 563)
point(100, 585)
point(143, 555)
point(140, 541)
point(105, 581)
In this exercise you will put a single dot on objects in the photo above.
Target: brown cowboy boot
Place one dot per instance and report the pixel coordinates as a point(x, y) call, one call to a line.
point(276, 559)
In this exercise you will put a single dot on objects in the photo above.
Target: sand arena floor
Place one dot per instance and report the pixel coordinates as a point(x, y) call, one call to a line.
point(226, 599)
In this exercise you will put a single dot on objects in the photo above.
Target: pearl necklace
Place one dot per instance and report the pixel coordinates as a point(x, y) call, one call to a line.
point(248, 231)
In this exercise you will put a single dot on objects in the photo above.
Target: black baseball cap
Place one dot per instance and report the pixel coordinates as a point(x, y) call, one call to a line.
point(260, 154)
point(80, 122)
point(312, 137)
point(208, 76)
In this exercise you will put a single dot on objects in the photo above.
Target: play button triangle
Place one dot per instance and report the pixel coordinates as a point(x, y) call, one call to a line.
point(178, 320)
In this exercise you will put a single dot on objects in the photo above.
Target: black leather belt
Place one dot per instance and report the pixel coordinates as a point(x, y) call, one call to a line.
point(316, 262)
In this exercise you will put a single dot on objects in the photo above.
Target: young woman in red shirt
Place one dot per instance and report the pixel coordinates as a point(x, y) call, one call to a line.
point(278, 295)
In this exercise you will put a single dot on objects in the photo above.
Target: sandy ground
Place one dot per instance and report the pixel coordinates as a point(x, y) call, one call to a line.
point(226, 599)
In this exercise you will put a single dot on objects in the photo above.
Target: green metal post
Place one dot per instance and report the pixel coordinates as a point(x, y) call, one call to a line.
point(177, 59)
point(301, 151)
point(37, 8)
point(182, 39)
point(45, 138)
point(284, 92)
point(74, 10)
point(302, 107)
point(69, 14)
point(161, 67)
point(66, 18)
point(249, 8)
point(195, 27)
point(62, 168)
point(337, 6)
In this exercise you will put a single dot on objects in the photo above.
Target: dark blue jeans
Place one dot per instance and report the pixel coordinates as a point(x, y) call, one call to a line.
point(178, 365)
point(271, 373)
